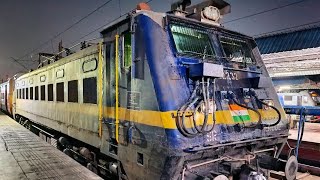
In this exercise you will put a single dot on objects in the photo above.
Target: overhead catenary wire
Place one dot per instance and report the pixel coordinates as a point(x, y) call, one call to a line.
point(17, 61)
point(265, 11)
point(67, 29)
point(104, 25)
point(96, 29)
point(71, 26)
point(107, 2)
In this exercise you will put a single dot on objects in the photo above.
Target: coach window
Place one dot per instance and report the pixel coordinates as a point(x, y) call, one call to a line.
point(90, 90)
point(43, 92)
point(31, 93)
point(60, 92)
point(50, 92)
point(36, 91)
point(27, 93)
point(18, 93)
point(23, 93)
point(73, 91)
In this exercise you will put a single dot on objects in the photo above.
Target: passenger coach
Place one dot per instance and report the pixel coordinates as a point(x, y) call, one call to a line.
point(6, 96)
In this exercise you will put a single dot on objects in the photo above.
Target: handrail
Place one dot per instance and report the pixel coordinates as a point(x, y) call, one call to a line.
point(117, 87)
point(100, 61)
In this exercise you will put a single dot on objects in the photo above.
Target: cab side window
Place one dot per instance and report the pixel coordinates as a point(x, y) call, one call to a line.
point(140, 54)
point(127, 53)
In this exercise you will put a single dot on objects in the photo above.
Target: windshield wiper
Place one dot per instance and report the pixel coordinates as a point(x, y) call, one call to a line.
point(204, 52)
point(197, 55)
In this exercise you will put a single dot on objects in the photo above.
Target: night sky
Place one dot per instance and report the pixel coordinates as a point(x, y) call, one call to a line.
point(24, 25)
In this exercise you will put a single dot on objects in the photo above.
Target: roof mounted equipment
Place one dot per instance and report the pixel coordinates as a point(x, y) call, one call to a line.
point(209, 11)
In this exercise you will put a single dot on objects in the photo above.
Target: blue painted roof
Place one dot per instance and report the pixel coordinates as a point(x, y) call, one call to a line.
point(288, 41)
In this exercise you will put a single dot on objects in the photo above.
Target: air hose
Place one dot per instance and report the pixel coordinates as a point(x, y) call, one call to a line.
point(274, 108)
point(233, 97)
point(300, 131)
point(300, 134)
point(206, 104)
point(185, 129)
point(198, 97)
point(180, 121)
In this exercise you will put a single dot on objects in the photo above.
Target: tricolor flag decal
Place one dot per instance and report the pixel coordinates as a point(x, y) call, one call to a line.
point(239, 114)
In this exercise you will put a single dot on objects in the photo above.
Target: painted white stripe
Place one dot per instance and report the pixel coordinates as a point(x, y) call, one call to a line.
point(239, 112)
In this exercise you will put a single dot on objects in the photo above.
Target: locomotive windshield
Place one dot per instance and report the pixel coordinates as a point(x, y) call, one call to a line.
point(236, 50)
point(191, 41)
point(196, 42)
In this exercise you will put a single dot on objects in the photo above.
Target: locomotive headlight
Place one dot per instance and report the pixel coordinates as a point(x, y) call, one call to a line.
point(211, 13)
point(269, 102)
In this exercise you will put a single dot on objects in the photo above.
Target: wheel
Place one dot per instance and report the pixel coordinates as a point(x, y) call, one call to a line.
point(68, 152)
point(16, 118)
point(21, 120)
point(28, 126)
point(92, 168)
point(291, 168)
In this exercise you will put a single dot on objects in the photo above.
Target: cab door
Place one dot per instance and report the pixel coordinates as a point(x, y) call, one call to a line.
point(110, 127)
point(118, 60)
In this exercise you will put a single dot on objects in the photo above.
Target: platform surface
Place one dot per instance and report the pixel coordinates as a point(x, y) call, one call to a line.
point(311, 133)
point(300, 176)
point(23, 155)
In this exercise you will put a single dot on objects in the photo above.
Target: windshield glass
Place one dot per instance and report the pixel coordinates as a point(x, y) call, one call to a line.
point(191, 41)
point(236, 50)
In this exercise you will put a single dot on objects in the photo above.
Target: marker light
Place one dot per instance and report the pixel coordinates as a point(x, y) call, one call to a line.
point(143, 6)
point(211, 13)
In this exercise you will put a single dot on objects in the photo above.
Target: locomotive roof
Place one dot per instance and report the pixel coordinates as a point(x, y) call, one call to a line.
point(159, 18)
point(87, 51)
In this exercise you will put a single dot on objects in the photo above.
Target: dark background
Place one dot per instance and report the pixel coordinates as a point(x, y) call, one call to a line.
point(26, 24)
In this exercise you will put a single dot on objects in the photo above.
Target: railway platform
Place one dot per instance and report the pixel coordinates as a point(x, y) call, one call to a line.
point(309, 149)
point(23, 155)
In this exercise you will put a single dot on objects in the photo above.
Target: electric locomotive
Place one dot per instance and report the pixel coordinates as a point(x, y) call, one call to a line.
point(163, 96)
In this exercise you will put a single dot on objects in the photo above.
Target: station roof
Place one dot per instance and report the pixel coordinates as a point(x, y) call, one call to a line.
point(303, 38)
